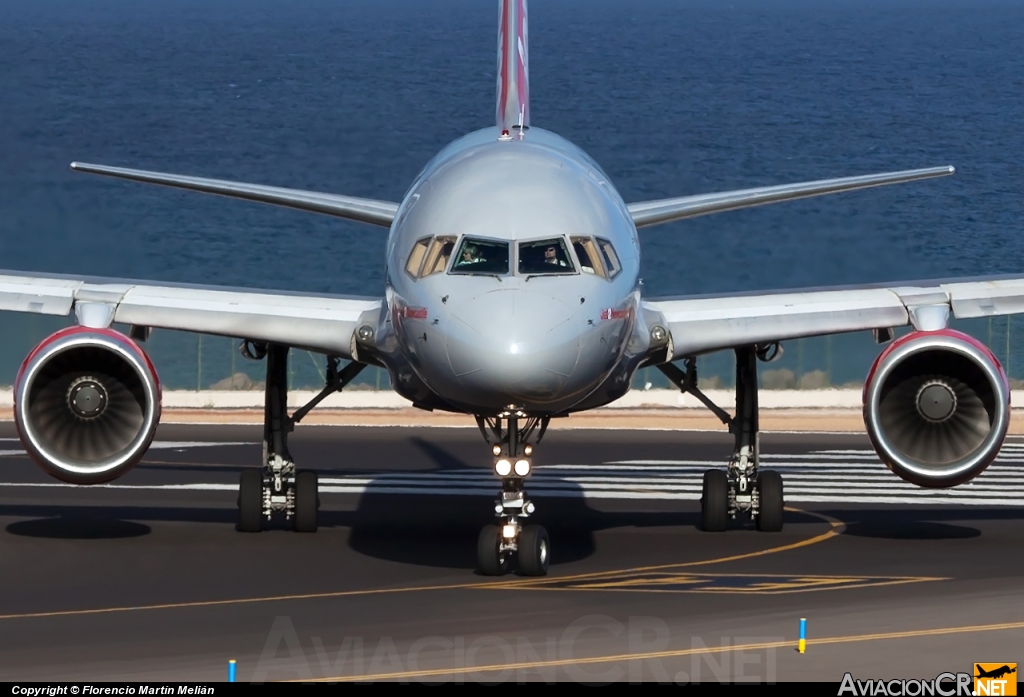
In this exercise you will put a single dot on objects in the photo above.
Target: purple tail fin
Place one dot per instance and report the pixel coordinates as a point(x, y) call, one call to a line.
point(513, 112)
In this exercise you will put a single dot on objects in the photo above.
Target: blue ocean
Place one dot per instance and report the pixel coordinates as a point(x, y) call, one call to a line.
point(670, 97)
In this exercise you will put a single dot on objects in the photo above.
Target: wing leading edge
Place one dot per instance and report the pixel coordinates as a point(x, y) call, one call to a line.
point(666, 210)
point(362, 209)
point(325, 324)
point(703, 324)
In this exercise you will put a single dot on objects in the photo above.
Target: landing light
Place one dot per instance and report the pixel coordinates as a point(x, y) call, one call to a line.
point(503, 468)
point(496, 450)
point(528, 450)
point(522, 467)
point(508, 531)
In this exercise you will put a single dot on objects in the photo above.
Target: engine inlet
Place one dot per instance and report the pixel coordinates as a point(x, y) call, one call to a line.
point(937, 408)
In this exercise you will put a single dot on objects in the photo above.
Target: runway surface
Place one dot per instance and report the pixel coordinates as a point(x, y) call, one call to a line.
point(146, 578)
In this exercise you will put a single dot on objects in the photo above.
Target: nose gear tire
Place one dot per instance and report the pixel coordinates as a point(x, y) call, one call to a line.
point(534, 551)
point(490, 559)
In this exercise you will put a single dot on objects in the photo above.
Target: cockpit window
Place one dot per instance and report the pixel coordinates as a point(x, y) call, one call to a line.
point(419, 251)
point(481, 256)
point(437, 256)
point(611, 260)
point(544, 257)
point(589, 256)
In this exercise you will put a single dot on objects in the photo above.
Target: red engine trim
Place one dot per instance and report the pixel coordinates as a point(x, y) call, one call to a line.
point(112, 333)
point(71, 331)
point(912, 336)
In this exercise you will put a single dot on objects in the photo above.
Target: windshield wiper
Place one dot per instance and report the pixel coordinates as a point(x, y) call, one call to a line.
point(542, 275)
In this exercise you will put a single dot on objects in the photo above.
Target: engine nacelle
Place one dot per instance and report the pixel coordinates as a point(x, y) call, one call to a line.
point(937, 407)
point(87, 404)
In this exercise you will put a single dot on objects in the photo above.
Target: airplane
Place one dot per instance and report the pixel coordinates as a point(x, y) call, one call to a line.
point(512, 295)
point(996, 672)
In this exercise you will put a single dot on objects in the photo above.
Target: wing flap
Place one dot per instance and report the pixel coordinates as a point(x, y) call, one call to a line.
point(317, 323)
point(646, 213)
point(321, 323)
point(986, 298)
point(702, 325)
point(38, 296)
point(362, 209)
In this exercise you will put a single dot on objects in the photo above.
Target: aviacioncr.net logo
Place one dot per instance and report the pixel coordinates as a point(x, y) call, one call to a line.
point(945, 685)
point(995, 679)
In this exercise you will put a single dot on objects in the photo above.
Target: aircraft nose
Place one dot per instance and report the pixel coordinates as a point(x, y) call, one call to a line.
point(514, 344)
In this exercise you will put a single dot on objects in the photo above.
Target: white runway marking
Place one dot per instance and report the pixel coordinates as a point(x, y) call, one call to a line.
point(156, 445)
point(828, 476)
point(181, 445)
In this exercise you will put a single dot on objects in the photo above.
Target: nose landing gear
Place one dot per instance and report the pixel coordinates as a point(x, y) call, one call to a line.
point(498, 543)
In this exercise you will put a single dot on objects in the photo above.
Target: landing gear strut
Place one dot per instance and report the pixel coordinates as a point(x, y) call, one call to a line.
point(743, 487)
point(278, 487)
point(512, 452)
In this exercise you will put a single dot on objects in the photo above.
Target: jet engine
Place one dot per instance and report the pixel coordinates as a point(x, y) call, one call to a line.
point(937, 407)
point(87, 404)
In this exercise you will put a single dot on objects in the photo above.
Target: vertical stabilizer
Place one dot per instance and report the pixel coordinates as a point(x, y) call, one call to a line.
point(513, 113)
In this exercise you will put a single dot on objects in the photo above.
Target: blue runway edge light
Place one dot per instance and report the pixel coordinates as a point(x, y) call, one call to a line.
point(231, 670)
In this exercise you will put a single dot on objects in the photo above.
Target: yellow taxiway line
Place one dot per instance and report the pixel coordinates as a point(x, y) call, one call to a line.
point(835, 528)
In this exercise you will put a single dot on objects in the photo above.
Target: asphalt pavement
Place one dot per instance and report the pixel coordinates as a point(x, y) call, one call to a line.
point(147, 578)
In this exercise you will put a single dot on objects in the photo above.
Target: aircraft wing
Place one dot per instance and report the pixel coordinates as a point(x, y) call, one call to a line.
point(323, 323)
point(702, 324)
point(362, 209)
point(666, 210)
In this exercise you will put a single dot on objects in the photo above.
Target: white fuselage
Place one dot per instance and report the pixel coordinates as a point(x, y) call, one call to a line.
point(484, 338)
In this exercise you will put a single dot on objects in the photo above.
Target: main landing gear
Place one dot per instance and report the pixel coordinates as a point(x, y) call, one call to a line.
point(278, 487)
point(498, 543)
point(743, 486)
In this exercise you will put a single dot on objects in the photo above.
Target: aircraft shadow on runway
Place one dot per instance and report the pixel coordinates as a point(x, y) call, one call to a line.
point(439, 528)
point(436, 531)
point(441, 531)
point(418, 525)
point(73, 524)
point(917, 523)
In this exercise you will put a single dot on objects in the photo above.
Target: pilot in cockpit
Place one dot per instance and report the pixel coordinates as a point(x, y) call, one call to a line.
point(551, 257)
point(470, 256)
